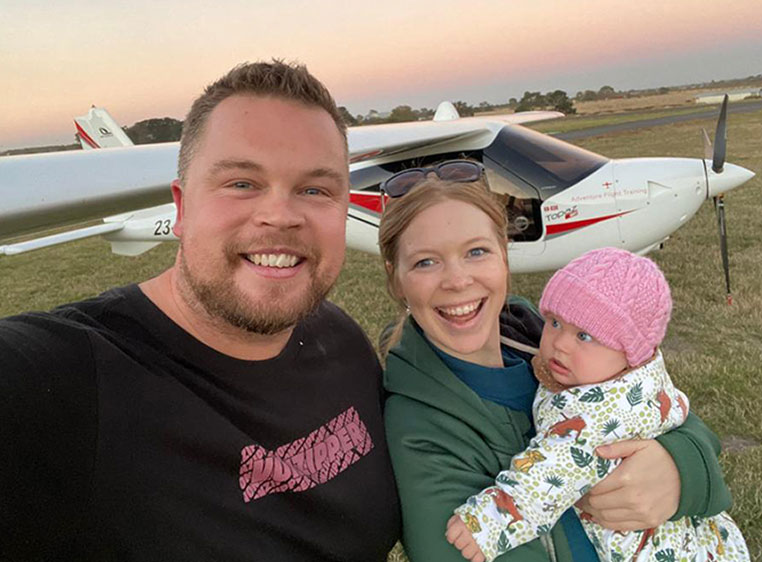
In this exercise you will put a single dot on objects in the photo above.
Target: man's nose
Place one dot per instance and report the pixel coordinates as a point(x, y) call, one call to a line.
point(278, 209)
point(456, 277)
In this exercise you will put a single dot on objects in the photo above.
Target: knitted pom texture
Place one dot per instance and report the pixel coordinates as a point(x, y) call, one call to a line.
point(619, 298)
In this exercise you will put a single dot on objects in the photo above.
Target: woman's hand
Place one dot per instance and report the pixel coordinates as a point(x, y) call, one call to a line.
point(641, 493)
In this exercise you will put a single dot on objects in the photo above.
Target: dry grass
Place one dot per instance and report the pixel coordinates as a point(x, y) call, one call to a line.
point(714, 351)
point(577, 122)
point(677, 98)
point(659, 101)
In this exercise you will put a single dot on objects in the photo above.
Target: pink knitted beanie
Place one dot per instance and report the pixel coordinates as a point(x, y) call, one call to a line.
point(619, 298)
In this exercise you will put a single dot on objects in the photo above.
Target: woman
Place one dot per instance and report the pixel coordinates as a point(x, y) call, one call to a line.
point(461, 387)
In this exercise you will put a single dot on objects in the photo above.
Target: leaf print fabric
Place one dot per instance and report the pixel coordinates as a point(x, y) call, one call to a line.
point(560, 466)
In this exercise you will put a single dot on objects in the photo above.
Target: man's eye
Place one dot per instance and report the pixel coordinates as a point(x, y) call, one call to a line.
point(426, 262)
point(242, 185)
point(584, 336)
point(313, 191)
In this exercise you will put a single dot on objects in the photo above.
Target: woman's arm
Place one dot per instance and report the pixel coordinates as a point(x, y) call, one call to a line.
point(438, 463)
point(675, 475)
point(694, 448)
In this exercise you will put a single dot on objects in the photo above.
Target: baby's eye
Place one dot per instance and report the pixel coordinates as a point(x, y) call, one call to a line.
point(555, 323)
point(584, 336)
point(426, 262)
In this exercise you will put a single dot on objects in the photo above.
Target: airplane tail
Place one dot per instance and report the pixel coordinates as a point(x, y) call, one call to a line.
point(98, 129)
point(446, 112)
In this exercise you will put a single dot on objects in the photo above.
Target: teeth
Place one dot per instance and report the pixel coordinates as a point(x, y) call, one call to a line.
point(461, 310)
point(273, 260)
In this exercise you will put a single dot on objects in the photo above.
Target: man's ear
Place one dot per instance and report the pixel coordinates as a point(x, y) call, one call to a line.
point(177, 197)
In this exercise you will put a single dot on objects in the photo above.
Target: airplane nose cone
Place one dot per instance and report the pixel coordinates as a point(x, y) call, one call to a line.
point(730, 178)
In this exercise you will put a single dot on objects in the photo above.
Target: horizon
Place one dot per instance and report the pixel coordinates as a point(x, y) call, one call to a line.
point(152, 61)
point(74, 141)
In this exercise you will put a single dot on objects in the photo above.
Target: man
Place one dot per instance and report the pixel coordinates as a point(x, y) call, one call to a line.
point(222, 410)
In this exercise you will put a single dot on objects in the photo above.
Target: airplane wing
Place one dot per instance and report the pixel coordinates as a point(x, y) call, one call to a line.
point(40, 191)
point(374, 141)
point(45, 191)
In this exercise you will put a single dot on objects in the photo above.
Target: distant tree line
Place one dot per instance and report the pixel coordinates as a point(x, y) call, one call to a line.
point(162, 129)
point(608, 92)
point(166, 129)
point(557, 100)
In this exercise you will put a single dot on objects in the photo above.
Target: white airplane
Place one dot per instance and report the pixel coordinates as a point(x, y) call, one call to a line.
point(561, 200)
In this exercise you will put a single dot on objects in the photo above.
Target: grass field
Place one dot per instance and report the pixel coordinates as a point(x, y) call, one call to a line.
point(577, 122)
point(674, 98)
point(713, 351)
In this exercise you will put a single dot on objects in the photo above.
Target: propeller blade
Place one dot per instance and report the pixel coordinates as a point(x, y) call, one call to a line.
point(719, 206)
point(720, 138)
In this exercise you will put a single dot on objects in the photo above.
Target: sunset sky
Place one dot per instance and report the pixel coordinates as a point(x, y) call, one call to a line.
point(143, 59)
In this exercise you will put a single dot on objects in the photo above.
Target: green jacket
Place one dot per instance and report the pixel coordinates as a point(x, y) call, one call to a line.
point(447, 444)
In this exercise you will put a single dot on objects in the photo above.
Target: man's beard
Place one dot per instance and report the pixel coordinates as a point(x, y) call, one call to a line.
point(223, 300)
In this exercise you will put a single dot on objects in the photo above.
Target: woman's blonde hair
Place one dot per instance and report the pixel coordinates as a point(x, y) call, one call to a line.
point(401, 211)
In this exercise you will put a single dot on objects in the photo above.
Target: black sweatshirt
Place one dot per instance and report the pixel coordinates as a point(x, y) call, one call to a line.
point(124, 438)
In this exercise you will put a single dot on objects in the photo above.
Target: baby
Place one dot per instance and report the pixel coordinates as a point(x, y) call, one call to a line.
point(602, 379)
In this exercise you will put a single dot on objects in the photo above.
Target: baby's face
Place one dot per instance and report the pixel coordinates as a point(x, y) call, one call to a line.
point(575, 358)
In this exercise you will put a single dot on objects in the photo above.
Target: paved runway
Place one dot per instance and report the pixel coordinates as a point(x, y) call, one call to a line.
point(710, 113)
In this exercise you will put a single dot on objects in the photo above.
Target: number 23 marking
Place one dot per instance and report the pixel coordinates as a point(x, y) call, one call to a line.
point(163, 228)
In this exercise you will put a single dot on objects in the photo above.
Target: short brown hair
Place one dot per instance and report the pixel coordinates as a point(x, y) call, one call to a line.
point(278, 79)
point(401, 211)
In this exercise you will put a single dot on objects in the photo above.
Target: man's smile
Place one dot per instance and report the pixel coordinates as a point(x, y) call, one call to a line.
point(279, 260)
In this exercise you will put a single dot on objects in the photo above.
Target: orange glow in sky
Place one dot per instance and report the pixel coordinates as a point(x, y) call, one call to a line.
point(150, 59)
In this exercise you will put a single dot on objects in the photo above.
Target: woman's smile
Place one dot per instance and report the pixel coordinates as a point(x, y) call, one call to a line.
point(461, 314)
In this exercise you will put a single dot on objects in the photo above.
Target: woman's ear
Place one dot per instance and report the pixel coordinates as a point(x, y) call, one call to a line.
point(394, 287)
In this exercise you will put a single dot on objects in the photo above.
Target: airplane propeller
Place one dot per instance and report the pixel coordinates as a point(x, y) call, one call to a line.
point(717, 155)
point(720, 139)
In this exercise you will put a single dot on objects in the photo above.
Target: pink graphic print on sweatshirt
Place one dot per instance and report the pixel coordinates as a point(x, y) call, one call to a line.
point(306, 462)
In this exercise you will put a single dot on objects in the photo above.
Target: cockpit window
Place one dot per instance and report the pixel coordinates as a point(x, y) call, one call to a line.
point(523, 168)
point(521, 200)
point(525, 157)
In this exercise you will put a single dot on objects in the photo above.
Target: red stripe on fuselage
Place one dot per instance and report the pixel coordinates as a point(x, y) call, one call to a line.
point(364, 156)
point(81, 132)
point(370, 201)
point(563, 227)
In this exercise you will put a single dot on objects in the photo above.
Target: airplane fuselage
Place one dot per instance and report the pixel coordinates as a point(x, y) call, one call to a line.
point(561, 200)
